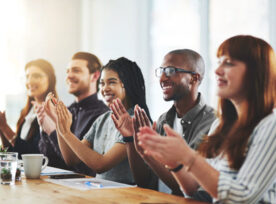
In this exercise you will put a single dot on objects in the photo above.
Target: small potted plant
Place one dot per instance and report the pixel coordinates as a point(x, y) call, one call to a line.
point(5, 173)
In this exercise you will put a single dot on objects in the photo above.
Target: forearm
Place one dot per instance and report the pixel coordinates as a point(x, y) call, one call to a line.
point(140, 170)
point(4, 141)
point(164, 175)
point(98, 162)
point(8, 133)
point(69, 156)
point(200, 173)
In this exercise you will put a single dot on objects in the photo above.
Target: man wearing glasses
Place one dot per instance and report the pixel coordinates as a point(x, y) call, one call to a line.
point(180, 76)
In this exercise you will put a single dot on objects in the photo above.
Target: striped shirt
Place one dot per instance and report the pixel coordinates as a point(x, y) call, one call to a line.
point(255, 181)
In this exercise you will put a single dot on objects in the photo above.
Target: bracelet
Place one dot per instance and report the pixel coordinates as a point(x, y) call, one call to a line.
point(191, 162)
point(128, 139)
point(176, 169)
point(12, 139)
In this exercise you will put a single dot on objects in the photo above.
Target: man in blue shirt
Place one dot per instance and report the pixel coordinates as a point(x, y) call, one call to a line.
point(82, 75)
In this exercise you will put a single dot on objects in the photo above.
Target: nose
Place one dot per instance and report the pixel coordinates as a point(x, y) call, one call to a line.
point(69, 74)
point(219, 70)
point(163, 77)
point(104, 88)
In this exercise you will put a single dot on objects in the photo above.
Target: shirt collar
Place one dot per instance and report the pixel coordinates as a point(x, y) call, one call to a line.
point(192, 113)
point(86, 101)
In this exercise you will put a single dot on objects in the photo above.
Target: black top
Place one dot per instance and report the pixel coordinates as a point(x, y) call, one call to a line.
point(29, 146)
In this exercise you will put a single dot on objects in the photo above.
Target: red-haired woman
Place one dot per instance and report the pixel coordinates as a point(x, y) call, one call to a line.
point(241, 146)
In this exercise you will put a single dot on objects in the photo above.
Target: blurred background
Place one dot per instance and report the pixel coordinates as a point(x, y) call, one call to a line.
point(141, 30)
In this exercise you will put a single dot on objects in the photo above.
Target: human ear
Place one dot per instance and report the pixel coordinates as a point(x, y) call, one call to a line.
point(195, 78)
point(95, 76)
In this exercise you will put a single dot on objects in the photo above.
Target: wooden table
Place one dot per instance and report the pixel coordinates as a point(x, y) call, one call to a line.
point(39, 191)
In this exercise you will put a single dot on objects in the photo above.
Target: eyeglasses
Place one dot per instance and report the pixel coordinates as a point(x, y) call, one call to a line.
point(170, 71)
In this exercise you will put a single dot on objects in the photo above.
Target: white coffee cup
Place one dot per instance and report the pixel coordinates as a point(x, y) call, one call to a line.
point(33, 165)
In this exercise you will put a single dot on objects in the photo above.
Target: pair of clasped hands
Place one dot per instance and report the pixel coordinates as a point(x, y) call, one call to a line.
point(167, 150)
point(53, 115)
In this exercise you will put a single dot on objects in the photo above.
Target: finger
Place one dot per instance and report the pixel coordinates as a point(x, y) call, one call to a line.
point(121, 106)
point(156, 155)
point(152, 143)
point(63, 110)
point(113, 117)
point(170, 132)
point(117, 107)
point(114, 110)
point(154, 125)
point(147, 130)
point(138, 118)
point(135, 125)
point(145, 118)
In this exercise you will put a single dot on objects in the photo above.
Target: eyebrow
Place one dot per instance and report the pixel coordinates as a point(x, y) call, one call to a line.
point(110, 79)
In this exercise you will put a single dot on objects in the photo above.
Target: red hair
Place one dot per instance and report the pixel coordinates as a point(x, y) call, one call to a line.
point(231, 136)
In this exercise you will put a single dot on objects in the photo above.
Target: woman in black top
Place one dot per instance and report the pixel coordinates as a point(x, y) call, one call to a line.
point(40, 80)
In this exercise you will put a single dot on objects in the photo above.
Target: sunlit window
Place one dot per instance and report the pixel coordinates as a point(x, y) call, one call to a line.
point(229, 18)
point(12, 58)
point(175, 25)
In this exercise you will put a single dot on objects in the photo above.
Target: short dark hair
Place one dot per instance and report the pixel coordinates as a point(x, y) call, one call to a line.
point(131, 76)
point(192, 60)
point(93, 62)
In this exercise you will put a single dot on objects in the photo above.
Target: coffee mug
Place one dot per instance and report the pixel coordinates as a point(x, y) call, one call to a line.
point(32, 164)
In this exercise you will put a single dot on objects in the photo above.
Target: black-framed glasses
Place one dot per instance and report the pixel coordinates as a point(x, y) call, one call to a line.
point(170, 71)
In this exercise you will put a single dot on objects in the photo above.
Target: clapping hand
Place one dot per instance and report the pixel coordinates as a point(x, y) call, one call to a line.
point(121, 118)
point(44, 121)
point(64, 119)
point(170, 150)
point(49, 106)
point(140, 120)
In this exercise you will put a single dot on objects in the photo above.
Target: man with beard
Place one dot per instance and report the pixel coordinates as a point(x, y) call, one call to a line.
point(82, 75)
point(180, 76)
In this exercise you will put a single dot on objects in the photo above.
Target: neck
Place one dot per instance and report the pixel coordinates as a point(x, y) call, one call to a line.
point(39, 100)
point(185, 104)
point(239, 106)
point(90, 92)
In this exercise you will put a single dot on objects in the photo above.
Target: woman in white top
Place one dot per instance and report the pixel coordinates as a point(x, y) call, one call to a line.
point(241, 147)
point(40, 80)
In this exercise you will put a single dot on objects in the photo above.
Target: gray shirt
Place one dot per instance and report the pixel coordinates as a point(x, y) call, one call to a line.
point(195, 123)
point(102, 136)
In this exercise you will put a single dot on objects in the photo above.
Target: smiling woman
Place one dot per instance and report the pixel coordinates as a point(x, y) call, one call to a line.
point(40, 80)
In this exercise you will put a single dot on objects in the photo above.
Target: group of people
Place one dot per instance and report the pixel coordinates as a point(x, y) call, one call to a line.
point(227, 156)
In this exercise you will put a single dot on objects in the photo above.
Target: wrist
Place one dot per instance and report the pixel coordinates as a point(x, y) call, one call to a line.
point(191, 161)
point(175, 169)
point(12, 139)
point(128, 138)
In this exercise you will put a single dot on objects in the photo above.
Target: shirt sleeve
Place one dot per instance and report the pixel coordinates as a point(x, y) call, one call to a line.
point(89, 136)
point(258, 171)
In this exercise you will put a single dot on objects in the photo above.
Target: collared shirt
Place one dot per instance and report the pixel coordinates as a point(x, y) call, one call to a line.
point(102, 136)
point(255, 181)
point(195, 123)
point(84, 113)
